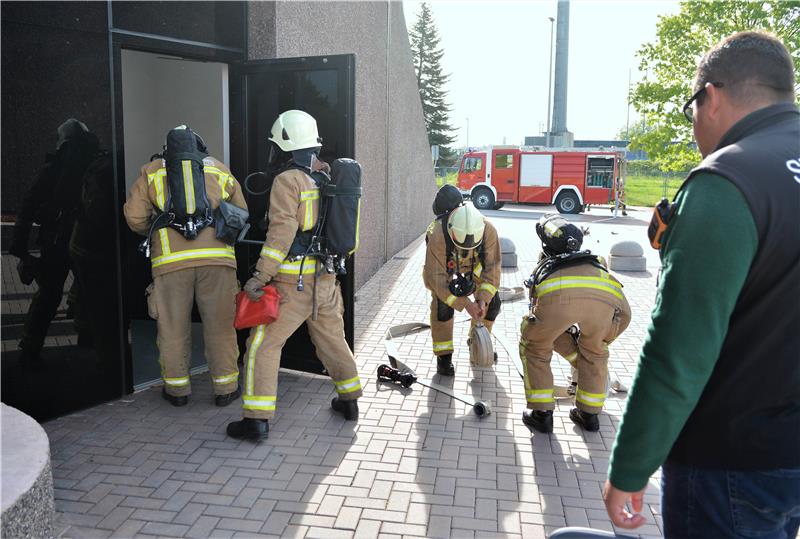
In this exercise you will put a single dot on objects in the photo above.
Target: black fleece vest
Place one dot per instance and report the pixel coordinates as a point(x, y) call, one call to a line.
point(748, 416)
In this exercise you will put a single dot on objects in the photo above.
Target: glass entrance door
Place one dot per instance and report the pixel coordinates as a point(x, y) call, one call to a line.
point(325, 88)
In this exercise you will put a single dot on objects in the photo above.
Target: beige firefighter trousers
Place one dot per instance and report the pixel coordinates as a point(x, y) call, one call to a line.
point(170, 302)
point(600, 323)
point(263, 356)
point(442, 330)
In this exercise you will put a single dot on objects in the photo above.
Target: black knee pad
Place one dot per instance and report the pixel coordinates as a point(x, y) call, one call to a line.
point(493, 309)
point(444, 313)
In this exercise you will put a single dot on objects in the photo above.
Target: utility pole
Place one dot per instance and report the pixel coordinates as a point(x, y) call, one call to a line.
point(628, 115)
point(550, 83)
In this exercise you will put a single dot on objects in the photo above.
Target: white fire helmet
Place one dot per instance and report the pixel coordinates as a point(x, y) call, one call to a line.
point(465, 226)
point(295, 130)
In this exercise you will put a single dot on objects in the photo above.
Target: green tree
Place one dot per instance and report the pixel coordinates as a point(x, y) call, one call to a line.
point(670, 61)
point(427, 57)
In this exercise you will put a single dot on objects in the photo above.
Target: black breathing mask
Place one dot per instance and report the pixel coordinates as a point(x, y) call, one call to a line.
point(461, 285)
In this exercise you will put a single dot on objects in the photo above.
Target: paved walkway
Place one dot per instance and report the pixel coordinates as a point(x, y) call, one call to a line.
point(416, 464)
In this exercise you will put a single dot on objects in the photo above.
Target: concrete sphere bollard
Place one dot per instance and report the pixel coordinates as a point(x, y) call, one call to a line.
point(627, 256)
point(508, 253)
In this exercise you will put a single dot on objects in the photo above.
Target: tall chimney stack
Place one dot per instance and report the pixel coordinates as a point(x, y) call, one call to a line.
point(561, 137)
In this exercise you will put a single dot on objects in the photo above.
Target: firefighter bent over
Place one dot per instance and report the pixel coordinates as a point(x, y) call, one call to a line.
point(294, 206)
point(569, 287)
point(462, 259)
point(171, 204)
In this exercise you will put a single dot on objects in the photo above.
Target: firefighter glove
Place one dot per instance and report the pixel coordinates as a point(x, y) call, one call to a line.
point(254, 288)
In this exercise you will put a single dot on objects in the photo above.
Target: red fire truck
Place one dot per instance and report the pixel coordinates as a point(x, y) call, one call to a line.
point(572, 179)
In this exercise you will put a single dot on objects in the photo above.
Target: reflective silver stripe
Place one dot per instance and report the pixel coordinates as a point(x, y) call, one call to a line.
point(226, 379)
point(188, 185)
point(258, 339)
point(273, 253)
point(190, 254)
point(539, 395)
point(258, 403)
point(590, 398)
point(176, 381)
point(450, 300)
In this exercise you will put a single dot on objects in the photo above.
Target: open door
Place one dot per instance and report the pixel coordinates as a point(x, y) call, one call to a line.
point(259, 91)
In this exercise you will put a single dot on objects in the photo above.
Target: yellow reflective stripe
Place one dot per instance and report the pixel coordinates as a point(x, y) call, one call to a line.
point(157, 179)
point(552, 229)
point(442, 345)
point(227, 379)
point(293, 268)
point(348, 386)
point(590, 399)
point(571, 357)
point(273, 253)
point(223, 182)
point(450, 300)
point(251, 360)
point(478, 270)
point(489, 288)
point(307, 221)
point(358, 225)
point(539, 395)
point(191, 254)
point(188, 185)
point(309, 195)
point(162, 234)
point(251, 402)
point(182, 381)
point(564, 283)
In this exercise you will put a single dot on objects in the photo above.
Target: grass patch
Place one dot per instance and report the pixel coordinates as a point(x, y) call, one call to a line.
point(648, 190)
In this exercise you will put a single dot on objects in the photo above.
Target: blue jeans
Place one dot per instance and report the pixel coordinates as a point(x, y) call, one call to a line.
point(708, 503)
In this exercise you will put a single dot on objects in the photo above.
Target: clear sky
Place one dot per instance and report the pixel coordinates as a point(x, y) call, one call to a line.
point(497, 55)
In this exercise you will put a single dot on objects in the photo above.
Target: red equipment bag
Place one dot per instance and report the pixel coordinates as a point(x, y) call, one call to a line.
point(251, 313)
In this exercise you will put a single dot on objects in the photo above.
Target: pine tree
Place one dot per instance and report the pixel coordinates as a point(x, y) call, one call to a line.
point(427, 58)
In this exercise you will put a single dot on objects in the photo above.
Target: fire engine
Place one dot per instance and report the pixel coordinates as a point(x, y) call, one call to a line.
point(572, 179)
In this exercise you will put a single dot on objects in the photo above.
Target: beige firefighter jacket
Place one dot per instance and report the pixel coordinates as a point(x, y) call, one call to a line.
point(169, 250)
point(487, 274)
point(293, 207)
point(584, 281)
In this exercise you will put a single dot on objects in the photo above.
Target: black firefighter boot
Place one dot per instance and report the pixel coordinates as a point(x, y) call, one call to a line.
point(541, 420)
point(226, 399)
point(585, 420)
point(249, 429)
point(349, 409)
point(444, 365)
point(174, 400)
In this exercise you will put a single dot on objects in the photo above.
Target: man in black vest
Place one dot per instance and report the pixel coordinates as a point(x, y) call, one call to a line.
point(716, 398)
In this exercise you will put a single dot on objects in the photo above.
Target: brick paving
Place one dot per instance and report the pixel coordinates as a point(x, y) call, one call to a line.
point(417, 464)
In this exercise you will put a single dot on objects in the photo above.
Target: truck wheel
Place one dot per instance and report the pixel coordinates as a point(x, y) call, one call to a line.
point(567, 202)
point(499, 205)
point(483, 199)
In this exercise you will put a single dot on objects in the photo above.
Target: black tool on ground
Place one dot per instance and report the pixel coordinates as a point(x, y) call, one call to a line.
point(390, 374)
point(480, 408)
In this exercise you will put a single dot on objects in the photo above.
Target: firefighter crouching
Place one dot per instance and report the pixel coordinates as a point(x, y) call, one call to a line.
point(462, 259)
point(189, 263)
point(293, 210)
point(569, 287)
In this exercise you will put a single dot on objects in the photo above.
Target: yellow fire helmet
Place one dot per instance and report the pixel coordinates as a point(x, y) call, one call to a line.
point(295, 130)
point(465, 226)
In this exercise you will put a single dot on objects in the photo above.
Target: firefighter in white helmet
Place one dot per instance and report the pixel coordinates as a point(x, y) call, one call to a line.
point(293, 210)
point(569, 287)
point(462, 260)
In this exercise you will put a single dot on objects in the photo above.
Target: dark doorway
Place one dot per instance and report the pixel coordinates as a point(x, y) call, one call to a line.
point(325, 88)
